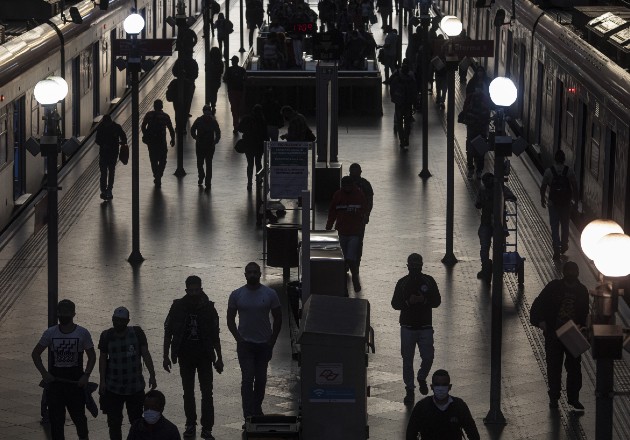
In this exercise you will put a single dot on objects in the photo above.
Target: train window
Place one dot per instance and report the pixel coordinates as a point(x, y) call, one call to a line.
point(594, 157)
point(570, 116)
point(86, 71)
point(35, 117)
point(105, 57)
point(4, 135)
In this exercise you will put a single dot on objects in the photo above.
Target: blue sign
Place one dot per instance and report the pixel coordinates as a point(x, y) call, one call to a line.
point(332, 395)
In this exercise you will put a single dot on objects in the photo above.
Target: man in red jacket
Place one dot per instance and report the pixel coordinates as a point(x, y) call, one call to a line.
point(347, 209)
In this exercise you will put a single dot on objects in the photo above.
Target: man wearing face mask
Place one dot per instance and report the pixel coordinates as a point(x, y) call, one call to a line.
point(561, 301)
point(66, 379)
point(153, 425)
point(441, 416)
point(191, 332)
point(122, 350)
point(416, 295)
point(255, 337)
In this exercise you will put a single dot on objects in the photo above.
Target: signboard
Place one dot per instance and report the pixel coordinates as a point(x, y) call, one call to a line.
point(327, 45)
point(329, 374)
point(155, 47)
point(332, 395)
point(465, 48)
point(288, 169)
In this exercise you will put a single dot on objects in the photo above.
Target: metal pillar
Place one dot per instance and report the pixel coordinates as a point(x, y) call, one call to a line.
point(206, 46)
point(425, 22)
point(133, 64)
point(400, 35)
point(449, 257)
point(327, 111)
point(240, 14)
point(604, 391)
point(226, 43)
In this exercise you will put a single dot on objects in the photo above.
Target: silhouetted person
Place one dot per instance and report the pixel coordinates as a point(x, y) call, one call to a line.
point(254, 129)
point(206, 132)
point(216, 75)
point(153, 425)
point(254, 16)
point(224, 28)
point(154, 127)
point(235, 77)
point(109, 136)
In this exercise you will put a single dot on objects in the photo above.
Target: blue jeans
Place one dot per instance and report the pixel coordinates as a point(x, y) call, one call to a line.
point(409, 338)
point(253, 359)
point(559, 217)
point(350, 245)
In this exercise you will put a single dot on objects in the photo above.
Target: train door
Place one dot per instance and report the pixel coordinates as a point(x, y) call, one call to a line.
point(609, 172)
point(19, 150)
point(114, 69)
point(76, 96)
point(96, 70)
point(580, 148)
point(508, 55)
point(558, 112)
point(521, 79)
point(487, 35)
point(540, 86)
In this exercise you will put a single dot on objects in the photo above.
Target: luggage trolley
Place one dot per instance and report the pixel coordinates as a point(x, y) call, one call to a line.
point(512, 261)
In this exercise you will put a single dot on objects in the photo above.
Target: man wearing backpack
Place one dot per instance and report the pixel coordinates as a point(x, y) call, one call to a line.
point(154, 127)
point(562, 190)
point(234, 78)
point(205, 130)
point(122, 350)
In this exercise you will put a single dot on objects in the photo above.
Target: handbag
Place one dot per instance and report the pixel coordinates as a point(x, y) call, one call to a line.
point(240, 146)
point(123, 155)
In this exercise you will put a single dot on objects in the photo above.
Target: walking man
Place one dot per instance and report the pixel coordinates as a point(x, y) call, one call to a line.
point(109, 135)
point(122, 350)
point(255, 337)
point(205, 130)
point(562, 190)
point(153, 425)
point(154, 127)
point(191, 333)
point(559, 302)
point(366, 188)
point(416, 295)
point(403, 94)
point(66, 380)
point(235, 77)
point(441, 416)
point(297, 127)
point(347, 212)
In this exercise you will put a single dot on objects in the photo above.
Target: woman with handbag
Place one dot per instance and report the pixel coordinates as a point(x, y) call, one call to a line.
point(254, 129)
point(109, 135)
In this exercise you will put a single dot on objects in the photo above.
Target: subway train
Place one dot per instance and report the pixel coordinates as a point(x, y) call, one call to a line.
point(571, 97)
point(82, 54)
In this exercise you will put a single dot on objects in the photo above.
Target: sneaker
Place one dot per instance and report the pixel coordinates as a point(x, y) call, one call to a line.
point(577, 406)
point(553, 404)
point(356, 284)
point(410, 398)
point(103, 196)
point(207, 434)
point(109, 194)
point(158, 182)
point(424, 389)
point(208, 186)
point(200, 181)
point(190, 431)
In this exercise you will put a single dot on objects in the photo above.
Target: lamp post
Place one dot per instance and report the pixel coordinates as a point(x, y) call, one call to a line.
point(425, 23)
point(240, 15)
point(133, 25)
point(451, 27)
point(502, 94)
point(48, 93)
point(604, 242)
point(207, 5)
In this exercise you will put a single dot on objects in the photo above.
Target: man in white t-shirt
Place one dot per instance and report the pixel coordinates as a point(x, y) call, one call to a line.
point(254, 336)
point(66, 379)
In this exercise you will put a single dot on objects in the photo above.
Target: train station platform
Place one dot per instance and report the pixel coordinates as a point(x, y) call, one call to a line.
point(185, 231)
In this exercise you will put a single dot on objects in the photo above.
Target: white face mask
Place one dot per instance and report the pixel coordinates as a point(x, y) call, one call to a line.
point(151, 416)
point(440, 391)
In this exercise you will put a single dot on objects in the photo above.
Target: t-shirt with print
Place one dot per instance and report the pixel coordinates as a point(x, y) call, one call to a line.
point(191, 341)
point(124, 361)
point(253, 308)
point(67, 350)
point(566, 312)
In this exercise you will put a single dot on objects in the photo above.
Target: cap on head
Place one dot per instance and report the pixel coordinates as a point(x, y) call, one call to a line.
point(65, 307)
point(414, 260)
point(121, 312)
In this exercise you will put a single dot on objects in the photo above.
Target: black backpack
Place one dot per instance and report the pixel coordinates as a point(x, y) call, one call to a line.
point(153, 132)
point(560, 189)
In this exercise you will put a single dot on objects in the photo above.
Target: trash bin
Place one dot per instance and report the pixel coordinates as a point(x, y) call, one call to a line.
point(282, 245)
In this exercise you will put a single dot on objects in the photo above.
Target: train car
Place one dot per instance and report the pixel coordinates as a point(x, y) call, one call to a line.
point(571, 97)
point(82, 54)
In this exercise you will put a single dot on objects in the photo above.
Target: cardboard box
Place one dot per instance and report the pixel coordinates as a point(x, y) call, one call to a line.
point(572, 339)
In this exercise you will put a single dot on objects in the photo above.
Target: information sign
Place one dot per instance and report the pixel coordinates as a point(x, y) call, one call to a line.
point(150, 47)
point(465, 48)
point(288, 169)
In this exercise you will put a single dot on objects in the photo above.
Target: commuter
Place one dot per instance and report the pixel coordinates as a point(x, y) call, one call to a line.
point(297, 127)
point(215, 8)
point(441, 82)
point(191, 332)
point(479, 81)
point(122, 350)
point(354, 52)
point(485, 202)
point(384, 7)
point(403, 93)
point(476, 114)
point(389, 51)
point(462, 68)
point(271, 53)
point(206, 132)
point(562, 190)
point(154, 127)
point(273, 116)
point(109, 135)
point(327, 12)
point(559, 302)
point(235, 77)
point(153, 425)
point(367, 11)
point(66, 381)
point(254, 129)
point(416, 295)
point(344, 21)
point(255, 337)
point(216, 73)
point(224, 28)
point(366, 188)
point(441, 416)
point(347, 212)
point(254, 15)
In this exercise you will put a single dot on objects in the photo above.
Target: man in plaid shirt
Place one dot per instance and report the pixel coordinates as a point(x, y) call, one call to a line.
point(122, 350)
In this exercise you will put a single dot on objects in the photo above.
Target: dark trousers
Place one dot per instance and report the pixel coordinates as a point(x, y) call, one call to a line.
point(204, 156)
point(235, 97)
point(157, 156)
point(253, 158)
point(474, 159)
point(107, 164)
point(253, 359)
point(214, 90)
point(555, 353)
point(441, 84)
point(485, 241)
point(61, 396)
point(202, 365)
point(403, 121)
point(114, 404)
point(559, 217)
point(251, 36)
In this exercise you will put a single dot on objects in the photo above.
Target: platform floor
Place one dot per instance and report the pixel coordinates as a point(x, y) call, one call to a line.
point(186, 231)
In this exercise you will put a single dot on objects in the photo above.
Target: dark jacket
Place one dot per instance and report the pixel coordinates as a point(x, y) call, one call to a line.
point(547, 306)
point(205, 130)
point(216, 72)
point(234, 78)
point(108, 136)
point(254, 14)
point(154, 127)
point(254, 133)
point(416, 315)
point(485, 202)
point(162, 430)
point(434, 424)
point(175, 325)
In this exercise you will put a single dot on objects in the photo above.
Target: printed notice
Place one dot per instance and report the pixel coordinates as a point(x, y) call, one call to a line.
point(329, 374)
point(288, 163)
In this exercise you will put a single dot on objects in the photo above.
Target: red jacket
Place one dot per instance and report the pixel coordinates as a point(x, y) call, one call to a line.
point(348, 209)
